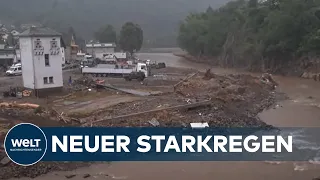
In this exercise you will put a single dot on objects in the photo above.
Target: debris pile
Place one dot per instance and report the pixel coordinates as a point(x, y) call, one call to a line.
point(268, 79)
point(234, 101)
point(16, 92)
point(84, 80)
point(84, 83)
point(208, 75)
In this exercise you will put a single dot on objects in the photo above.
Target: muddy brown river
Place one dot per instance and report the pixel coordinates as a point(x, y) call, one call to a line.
point(301, 110)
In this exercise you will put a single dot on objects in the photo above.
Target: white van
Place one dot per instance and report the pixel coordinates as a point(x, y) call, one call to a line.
point(14, 71)
point(16, 65)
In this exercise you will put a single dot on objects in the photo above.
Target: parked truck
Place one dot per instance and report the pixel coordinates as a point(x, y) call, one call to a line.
point(155, 65)
point(139, 70)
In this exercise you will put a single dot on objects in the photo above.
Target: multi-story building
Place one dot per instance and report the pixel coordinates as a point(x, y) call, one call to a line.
point(98, 50)
point(41, 59)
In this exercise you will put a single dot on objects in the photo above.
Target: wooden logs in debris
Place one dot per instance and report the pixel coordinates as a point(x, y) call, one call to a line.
point(15, 105)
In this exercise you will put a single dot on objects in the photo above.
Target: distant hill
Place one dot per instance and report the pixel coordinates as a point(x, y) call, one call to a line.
point(158, 18)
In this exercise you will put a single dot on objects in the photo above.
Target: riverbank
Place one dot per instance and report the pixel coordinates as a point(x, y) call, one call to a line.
point(306, 70)
point(161, 50)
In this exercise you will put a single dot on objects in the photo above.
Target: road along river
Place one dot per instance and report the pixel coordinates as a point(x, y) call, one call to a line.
point(301, 110)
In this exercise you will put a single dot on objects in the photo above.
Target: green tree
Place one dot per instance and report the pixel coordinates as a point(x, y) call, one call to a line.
point(2, 41)
point(255, 34)
point(106, 34)
point(253, 3)
point(11, 40)
point(209, 10)
point(131, 37)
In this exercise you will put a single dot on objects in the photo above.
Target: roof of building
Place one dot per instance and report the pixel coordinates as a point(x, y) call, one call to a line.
point(101, 45)
point(3, 29)
point(7, 50)
point(30, 25)
point(42, 32)
point(14, 31)
point(39, 32)
point(120, 55)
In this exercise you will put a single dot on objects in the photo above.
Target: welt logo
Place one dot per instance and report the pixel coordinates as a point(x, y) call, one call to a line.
point(25, 143)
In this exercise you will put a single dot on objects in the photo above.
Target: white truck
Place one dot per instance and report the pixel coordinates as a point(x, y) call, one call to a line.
point(86, 61)
point(139, 69)
point(154, 64)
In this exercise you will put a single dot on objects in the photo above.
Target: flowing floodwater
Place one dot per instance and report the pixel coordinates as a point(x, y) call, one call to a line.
point(301, 110)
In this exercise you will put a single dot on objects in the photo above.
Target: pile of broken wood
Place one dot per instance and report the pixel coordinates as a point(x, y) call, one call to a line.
point(62, 117)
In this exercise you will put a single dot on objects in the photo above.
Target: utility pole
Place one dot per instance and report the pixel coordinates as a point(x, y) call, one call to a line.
point(34, 71)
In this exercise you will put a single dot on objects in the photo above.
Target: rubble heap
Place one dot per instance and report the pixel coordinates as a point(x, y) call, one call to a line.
point(85, 81)
point(235, 100)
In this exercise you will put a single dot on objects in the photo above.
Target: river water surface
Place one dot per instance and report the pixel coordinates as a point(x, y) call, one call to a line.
point(301, 110)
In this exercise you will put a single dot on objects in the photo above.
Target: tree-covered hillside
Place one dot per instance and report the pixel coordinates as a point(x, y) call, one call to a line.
point(261, 35)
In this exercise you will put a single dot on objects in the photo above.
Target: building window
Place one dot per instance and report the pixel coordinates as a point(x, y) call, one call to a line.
point(51, 80)
point(38, 44)
point(45, 80)
point(46, 60)
point(53, 44)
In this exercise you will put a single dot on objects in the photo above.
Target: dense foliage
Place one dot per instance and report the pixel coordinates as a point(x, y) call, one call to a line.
point(131, 37)
point(257, 34)
point(106, 34)
point(1, 40)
